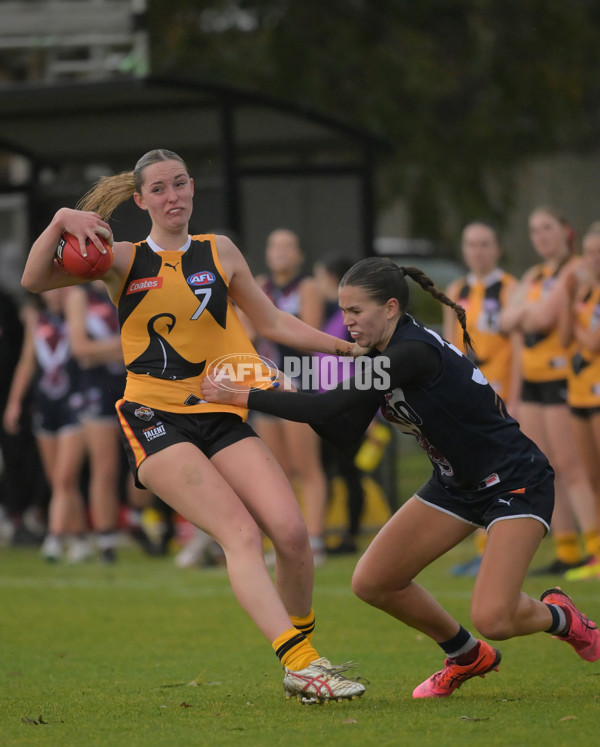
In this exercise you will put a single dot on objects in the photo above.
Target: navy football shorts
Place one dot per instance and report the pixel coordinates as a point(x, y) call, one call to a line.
point(482, 508)
point(53, 416)
point(101, 390)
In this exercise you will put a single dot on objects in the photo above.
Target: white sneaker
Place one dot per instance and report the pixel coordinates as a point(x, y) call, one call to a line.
point(194, 552)
point(318, 551)
point(319, 558)
point(321, 682)
point(80, 550)
point(7, 528)
point(106, 542)
point(32, 521)
point(52, 548)
point(270, 559)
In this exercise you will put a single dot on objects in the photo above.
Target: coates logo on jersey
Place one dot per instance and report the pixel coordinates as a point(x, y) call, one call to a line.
point(143, 284)
point(198, 279)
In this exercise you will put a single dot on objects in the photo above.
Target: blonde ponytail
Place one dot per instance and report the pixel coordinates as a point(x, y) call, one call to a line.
point(108, 193)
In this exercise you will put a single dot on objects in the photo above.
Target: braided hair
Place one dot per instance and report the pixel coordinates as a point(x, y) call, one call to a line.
point(383, 279)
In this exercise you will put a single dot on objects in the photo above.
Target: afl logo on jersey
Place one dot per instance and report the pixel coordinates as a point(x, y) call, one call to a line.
point(201, 278)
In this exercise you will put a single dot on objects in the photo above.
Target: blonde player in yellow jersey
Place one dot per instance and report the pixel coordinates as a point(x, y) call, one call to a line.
point(483, 292)
point(534, 311)
point(580, 323)
point(174, 295)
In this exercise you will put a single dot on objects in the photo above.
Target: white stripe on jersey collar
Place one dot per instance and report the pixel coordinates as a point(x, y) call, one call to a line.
point(156, 248)
point(493, 277)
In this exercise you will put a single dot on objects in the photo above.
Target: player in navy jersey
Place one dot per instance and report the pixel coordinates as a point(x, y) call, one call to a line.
point(486, 473)
point(93, 327)
point(295, 446)
point(47, 366)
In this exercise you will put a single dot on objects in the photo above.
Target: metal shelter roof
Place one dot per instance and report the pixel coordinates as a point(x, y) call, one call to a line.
point(228, 135)
point(67, 122)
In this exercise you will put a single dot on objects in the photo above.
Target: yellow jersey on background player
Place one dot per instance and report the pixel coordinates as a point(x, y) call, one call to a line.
point(482, 293)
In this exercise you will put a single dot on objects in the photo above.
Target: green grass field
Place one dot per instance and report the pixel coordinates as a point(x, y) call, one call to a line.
point(143, 653)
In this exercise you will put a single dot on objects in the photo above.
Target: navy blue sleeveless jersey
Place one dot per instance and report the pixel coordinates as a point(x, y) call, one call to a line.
point(433, 392)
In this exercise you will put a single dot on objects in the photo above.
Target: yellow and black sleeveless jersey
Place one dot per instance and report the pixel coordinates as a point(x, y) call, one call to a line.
point(483, 301)
point(584, 374)
point(176, 319)
point(543, 358)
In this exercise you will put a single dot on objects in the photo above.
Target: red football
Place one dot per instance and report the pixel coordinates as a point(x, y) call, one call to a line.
point(94, 265)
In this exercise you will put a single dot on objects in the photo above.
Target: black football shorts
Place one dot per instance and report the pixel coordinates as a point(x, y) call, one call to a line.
point(147, 431)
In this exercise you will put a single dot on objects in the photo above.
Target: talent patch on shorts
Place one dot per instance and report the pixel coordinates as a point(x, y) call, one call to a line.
point(147, 431)
point(155, 431)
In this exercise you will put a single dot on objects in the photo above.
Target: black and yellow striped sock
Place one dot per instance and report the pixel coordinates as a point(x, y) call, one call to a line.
point(567, 547)
point(305, 624)
point(294, 650)
point(591, 542)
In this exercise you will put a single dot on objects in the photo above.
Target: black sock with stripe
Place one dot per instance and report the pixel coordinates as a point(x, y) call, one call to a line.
point(463, 648)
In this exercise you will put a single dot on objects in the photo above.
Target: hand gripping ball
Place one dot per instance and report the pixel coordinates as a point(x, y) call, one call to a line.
point(93, 266)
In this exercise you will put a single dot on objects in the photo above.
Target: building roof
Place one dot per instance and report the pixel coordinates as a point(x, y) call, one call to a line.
point(258, 162)
point(63, 123)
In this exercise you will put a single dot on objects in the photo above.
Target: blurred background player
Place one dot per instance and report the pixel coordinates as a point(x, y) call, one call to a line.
point(93, 329)
point(483, 292)
point(47, 364)
point(94, 336)
point(338, 462)
point(580, 323)
point(295, 445)
point(533, 311)
point(11, 339)
point(23, 489)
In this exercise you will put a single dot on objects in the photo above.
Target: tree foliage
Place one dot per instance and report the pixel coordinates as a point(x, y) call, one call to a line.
point(464, 89)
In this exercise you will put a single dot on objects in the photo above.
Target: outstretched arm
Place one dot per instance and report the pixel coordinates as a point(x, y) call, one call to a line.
point(267, 319)
point(341, 414)
point(337, 415)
